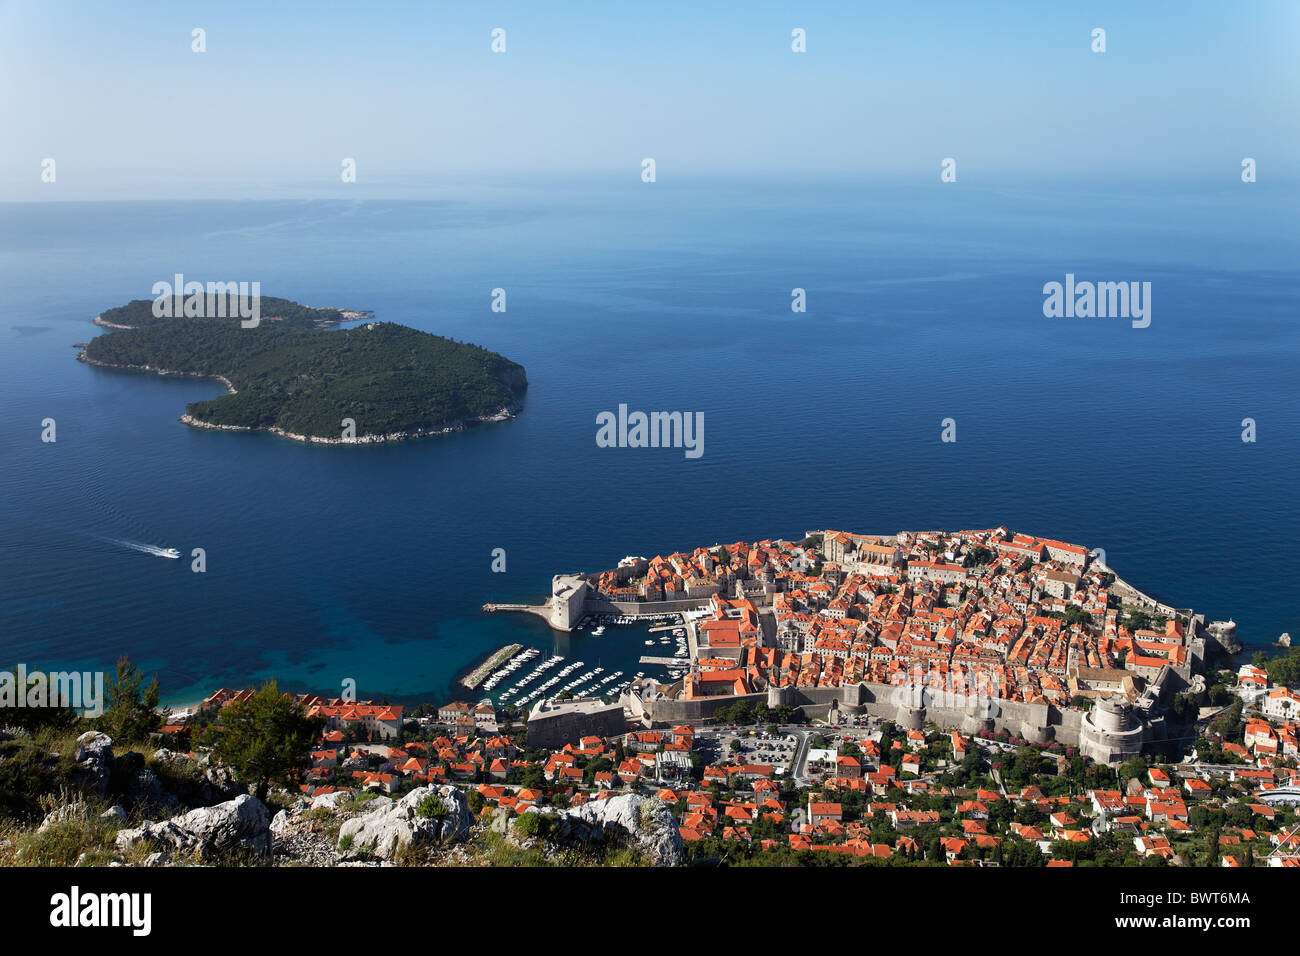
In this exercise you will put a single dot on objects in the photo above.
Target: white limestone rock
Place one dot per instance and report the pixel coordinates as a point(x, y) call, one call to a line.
point(386, 830)
point(94, 758)
point(645, 823)
point(242, 824)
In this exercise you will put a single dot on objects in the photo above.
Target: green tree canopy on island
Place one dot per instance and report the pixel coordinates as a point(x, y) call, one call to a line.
point(295, 374)
point(267, 738)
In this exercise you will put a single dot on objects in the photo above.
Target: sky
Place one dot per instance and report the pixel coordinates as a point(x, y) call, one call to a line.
point(415, 95)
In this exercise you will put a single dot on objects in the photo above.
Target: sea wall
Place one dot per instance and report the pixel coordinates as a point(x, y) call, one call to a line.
point(1131, 595)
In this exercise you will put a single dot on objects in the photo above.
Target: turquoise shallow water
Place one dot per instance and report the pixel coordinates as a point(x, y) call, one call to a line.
point(372, 563)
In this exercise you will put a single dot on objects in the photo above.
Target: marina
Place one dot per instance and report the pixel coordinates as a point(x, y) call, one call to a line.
point(520, 679)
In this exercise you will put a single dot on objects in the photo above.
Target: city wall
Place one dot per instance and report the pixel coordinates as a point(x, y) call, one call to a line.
point(595, 605)
point(1042, 723)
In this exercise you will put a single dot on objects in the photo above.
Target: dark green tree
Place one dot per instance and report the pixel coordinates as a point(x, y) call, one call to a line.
point(130, 713)
point(934, 851)
point(56, 711)
point(267, 738)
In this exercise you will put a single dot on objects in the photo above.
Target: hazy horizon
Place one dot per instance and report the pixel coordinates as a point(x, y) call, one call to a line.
point(417, 98)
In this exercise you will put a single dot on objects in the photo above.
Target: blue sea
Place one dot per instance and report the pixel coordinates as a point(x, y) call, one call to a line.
point(923, 303)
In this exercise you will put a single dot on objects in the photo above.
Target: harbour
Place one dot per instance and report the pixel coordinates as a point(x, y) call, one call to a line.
point(575, 670)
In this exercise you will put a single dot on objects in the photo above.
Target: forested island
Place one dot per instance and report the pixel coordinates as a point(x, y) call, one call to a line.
point(297, 375)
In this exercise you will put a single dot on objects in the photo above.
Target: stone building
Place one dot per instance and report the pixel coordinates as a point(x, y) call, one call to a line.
point(569, 594)
point(552, 724)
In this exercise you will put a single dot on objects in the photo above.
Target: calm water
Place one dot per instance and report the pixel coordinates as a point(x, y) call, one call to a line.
point(372, 563)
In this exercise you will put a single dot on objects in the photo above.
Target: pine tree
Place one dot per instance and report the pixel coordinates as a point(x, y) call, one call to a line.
point(266, 738)
point(131, 715)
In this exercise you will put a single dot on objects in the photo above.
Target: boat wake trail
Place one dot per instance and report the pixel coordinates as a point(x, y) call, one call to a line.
point(82, 533)
point(142, 547)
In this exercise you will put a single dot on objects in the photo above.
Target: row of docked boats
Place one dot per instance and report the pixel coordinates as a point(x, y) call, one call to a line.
point(509, 667)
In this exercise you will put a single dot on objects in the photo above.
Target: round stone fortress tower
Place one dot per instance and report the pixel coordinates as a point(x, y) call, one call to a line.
point(1112, 731)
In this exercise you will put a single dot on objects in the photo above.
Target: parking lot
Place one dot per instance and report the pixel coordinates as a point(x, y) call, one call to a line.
point(757, 746)
point(782, 749)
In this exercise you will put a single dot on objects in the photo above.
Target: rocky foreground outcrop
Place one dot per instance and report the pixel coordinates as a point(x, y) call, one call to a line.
point(196, 781)
point(241, 827)
point(94, 760)
point(195, 811)
point(427, 816)
point(78, 810)
point(165, 783)
point(643, 823)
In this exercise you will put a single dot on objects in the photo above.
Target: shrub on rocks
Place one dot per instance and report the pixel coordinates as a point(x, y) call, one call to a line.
point(390, 829)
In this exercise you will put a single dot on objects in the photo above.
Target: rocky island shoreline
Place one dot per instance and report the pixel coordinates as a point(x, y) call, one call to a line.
point(506, 414)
